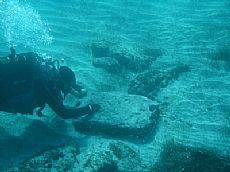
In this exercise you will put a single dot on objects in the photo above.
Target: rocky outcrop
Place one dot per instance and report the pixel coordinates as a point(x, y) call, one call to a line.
point(23, 136)
point(117, 119)
point(221, 54)
point(111, 156)
point(220, 58)
point(59, 159)
point(181, 158)
point(114, 59)
point(150, 82)
point(127, 157)
point(109, 64)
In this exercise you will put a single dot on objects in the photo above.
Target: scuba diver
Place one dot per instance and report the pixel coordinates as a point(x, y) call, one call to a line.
point(27, 81)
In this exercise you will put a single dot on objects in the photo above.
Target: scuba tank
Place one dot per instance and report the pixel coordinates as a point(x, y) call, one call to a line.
point(4, 60)
point(7, 59)
point(30, 58)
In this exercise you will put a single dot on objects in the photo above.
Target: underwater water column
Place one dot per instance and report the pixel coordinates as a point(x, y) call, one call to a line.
point(22, 25)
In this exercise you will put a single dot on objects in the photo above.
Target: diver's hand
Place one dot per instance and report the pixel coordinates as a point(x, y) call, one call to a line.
point(80, 93)
point(94, 108)
point(83, 92)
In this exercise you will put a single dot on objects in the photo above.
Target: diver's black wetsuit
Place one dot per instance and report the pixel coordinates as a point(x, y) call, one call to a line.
point(25, 86)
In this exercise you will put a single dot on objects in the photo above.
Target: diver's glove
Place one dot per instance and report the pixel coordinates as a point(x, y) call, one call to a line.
point(93, 108)
point(83, 92)
point(79, 93)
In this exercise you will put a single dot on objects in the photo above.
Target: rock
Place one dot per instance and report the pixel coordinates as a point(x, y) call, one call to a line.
point(176, 157)
point(150, 82)
point(59, 159)
point(127, 60)
point(121, 116)
point(108, 168)
point(100, 50)
point(220, 58)
point(127, 158)
point(221, 54)
point(24, 136)
point(153, 52)
point(109, 64)
point(100, 160)
point(110, 156)
point(132, 62)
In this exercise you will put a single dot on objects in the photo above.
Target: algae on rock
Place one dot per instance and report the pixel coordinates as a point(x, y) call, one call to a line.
point(60, 159)
point(149, 83)
point(115, 59)
point(176, 157)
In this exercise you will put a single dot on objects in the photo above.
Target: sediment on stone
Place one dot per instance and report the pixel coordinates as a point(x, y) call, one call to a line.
point(111, 156)
point(29, 137)
point(58, 159)
point(114, 60)
point(127, 117)
point(176, 157)
point(149, 83)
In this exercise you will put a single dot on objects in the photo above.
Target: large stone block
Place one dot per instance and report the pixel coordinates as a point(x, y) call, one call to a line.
point(111, 156)
point(23, 136)
point(57, 159)
point(176, 157)
point(150, 82)
point(107, 63)
point(114, 58)
point(121, 116)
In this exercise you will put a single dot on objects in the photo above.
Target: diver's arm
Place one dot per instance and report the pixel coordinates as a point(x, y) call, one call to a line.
point(77, 87)
point(78, 91)
point(70, 112)
point(65, 112)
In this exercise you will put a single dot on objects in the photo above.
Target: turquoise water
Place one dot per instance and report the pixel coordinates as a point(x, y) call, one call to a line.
point(153, 39)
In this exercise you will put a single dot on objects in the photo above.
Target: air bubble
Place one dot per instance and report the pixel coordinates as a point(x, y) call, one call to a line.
point(22, 25)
